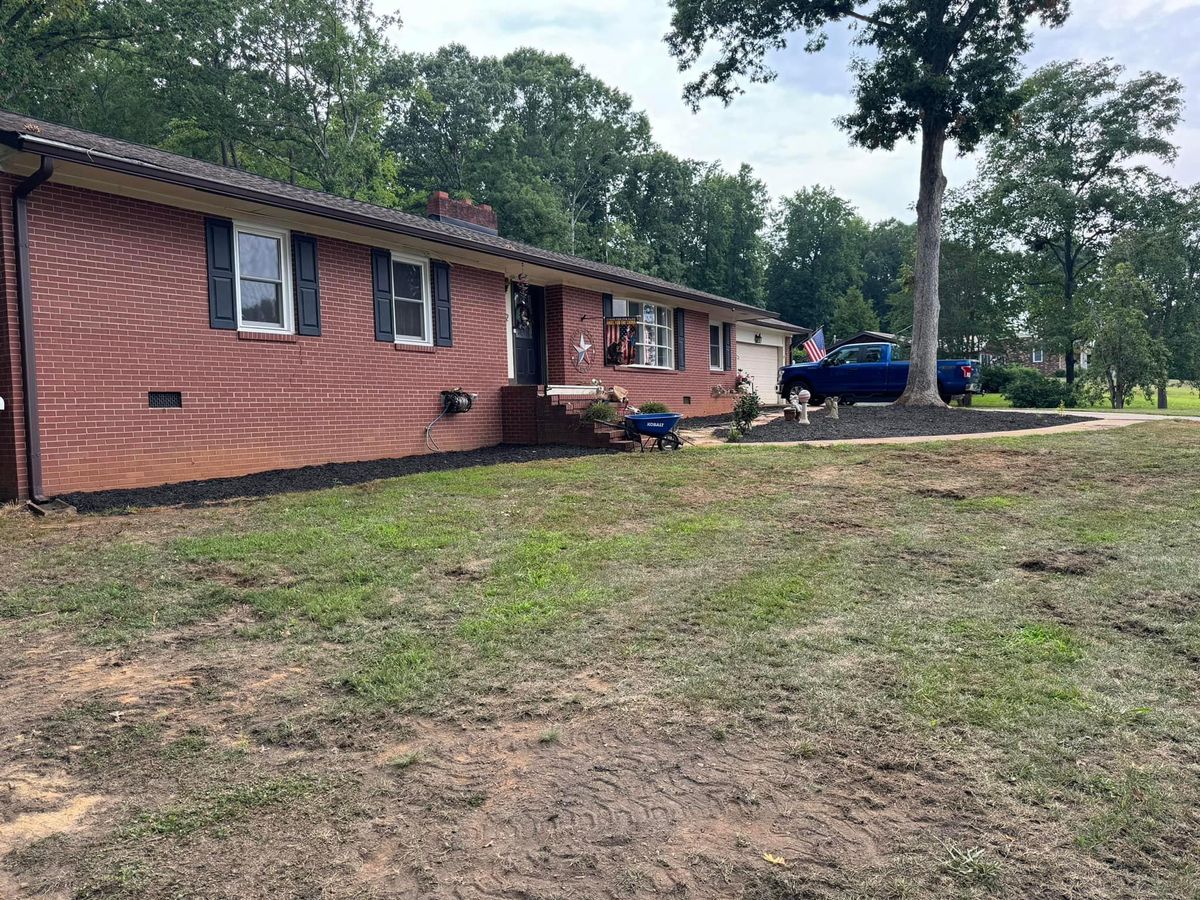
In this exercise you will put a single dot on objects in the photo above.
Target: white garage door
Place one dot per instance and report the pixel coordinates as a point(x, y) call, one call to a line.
point(761, 363)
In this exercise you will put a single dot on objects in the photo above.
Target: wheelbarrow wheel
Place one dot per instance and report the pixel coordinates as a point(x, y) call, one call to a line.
point(669, 442)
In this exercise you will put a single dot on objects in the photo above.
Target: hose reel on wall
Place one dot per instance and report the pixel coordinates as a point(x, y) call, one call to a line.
point(454, 402)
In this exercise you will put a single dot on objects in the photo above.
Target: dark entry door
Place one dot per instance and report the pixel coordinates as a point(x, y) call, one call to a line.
point(528, 335)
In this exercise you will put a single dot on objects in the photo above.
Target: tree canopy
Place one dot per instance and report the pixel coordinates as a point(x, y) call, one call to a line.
point(313, 92)
point(1071, 177)
point(938, 71)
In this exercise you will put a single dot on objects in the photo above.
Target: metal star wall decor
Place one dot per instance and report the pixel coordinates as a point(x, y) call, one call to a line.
point(583, 348)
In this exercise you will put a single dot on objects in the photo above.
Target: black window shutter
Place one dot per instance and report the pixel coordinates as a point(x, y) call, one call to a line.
point(680, 343)
point(442, 334)
point(727, 340)
point(606, 310)
point(381, 276)
point(307, 286)
point(222, 299)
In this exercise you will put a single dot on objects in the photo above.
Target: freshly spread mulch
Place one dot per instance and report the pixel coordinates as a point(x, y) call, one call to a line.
point(890, 421)
point(313, 478)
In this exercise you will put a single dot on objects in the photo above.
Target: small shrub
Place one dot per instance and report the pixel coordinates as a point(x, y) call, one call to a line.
point(653, 406)
point(1029, 389)
point(746, 409)
point(735, 434)
point(995, 379)
point(600, 412)
point(1060, 373)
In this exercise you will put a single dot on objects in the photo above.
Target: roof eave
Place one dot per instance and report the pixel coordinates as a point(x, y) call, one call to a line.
point(68, 153)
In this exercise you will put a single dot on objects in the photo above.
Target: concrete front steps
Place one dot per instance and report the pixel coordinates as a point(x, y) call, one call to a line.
point(533, 417)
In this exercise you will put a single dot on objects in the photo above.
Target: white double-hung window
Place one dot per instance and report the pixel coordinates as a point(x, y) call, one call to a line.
point(411, 299)
point(264, 290)
point(655, 332)
point(716, 348)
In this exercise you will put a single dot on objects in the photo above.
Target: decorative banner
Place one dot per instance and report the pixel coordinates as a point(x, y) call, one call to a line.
point(584, 350)
point(522, 325)
point(620, 339)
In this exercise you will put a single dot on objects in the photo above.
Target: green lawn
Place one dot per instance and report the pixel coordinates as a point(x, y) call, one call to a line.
point(939, 670)
point(1182, 400)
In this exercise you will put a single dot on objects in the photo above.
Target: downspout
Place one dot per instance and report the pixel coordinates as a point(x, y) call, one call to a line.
point(33, 434)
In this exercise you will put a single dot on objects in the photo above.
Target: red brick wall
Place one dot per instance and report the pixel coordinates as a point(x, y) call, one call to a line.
point(121, 308)
point(565, 308)
point(12, 426)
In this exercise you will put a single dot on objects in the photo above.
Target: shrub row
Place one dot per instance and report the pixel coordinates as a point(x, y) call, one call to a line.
point(1027, 388)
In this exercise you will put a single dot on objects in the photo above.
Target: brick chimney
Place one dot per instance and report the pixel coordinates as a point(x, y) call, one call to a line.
point(461, 212)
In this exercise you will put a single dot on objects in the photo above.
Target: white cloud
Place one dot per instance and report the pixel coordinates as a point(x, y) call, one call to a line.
point(1118, 13)
point(785, 129)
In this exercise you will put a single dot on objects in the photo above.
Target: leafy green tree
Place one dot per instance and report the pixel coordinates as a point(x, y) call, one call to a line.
point(1125, 357)
point(44, 42)
point(946, 71)
point(577, 134)
point(889, 245)
point(980, 300)
point(730, 251)
point(320, 65)
point(852, 314)
point(816, 256)
point(444, 117)
point(654, 214)
point(1073, 175)
point(1164, 252)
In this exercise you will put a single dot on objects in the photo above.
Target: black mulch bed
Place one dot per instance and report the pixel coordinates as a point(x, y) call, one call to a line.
point(889, 421)
point(313, 478)
point(707, 421)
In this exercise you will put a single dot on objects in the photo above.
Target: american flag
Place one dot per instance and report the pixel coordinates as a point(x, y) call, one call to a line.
point(815, 346)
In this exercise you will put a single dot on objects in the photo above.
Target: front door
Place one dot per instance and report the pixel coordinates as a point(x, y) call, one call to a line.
point(528, 334)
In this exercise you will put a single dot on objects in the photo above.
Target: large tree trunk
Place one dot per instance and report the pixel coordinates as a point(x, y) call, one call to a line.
point(922, 389)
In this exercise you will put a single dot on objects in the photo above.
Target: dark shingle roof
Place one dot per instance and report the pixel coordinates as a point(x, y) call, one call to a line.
point(61, 142)
point(781, 325)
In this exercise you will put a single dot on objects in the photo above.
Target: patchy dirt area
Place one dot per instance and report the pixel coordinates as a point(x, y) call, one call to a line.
point(886, 421)
point(536, 682)
point(606, 805)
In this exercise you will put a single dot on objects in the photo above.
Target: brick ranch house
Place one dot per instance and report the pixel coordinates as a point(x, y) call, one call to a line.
point(164, 319)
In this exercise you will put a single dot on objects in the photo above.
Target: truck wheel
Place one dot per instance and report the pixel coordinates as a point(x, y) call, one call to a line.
point(946, 398)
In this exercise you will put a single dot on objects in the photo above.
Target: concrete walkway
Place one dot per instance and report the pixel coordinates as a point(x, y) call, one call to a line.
point(1096, 421)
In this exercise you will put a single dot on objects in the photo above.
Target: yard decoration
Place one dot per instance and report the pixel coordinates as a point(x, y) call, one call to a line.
point(522, 306)
point(584, 350)
point(831, 407)
point(800, 404)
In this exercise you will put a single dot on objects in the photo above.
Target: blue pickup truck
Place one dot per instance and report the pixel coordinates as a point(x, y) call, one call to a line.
point(866, 372)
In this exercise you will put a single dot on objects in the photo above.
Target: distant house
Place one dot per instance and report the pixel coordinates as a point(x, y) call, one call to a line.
point(166, 319)
point(1028, 351)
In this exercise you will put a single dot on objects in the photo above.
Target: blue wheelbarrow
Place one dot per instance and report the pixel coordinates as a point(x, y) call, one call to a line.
point(654, 430)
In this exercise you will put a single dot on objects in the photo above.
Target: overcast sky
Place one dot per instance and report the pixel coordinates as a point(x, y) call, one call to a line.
point(785, 129)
